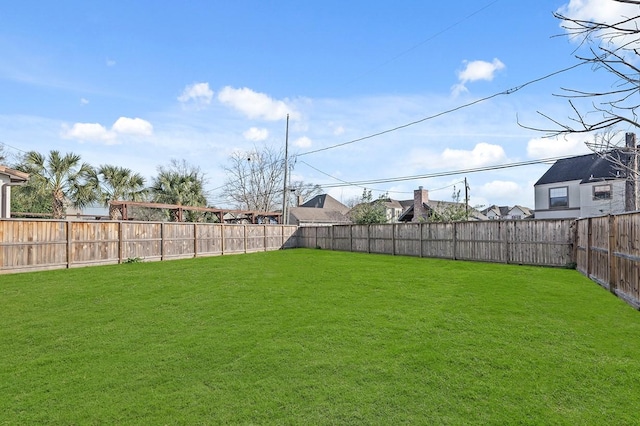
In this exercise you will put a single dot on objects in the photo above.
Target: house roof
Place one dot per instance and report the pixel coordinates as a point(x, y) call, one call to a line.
point(317, 215)
point(327, 202)
point(498, 210)
point(526, 210)
point(584, 168)
point(14, 175)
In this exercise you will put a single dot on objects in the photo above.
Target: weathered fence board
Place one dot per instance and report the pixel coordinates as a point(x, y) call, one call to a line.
point(608, 252)
point(48, 244)
point(529, 242)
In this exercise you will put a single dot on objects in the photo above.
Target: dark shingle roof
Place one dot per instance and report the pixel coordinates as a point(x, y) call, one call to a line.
point(327, 202)
point(583, 168)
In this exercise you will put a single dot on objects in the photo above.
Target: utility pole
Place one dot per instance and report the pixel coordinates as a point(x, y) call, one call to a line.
point(466, 198)
point(285, 192)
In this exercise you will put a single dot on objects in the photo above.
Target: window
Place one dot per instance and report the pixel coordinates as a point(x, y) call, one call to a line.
point(602, 192)
point(558, 197)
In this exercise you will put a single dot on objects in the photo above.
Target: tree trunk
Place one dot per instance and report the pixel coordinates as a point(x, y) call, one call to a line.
point(58, 205)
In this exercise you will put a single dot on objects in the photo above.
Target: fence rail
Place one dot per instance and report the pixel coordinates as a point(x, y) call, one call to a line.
point(531, 242)
point(28, 245)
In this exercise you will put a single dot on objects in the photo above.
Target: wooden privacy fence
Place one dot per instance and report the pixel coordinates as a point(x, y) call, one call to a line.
point(530, 242)
point(608, 252)
point(27, 245)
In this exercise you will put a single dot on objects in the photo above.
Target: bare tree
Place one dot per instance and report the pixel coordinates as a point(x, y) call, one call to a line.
point(615, 49)
point(255, 179)
point(303, 191)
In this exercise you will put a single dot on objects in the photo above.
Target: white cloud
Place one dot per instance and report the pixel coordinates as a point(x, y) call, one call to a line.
point(255, 104)
point(93, 132)
point(483, 154)
point(480, 70)
point(198, 94)
point(303, 142)
point(255, 134)
point(474, 71)
point(111, 63)
point(132, 126)
point(499, 189)
point(84, 101)
point(573, 144)
point(338, 130)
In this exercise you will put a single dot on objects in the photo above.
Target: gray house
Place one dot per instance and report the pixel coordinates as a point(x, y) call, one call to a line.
point(588, 185)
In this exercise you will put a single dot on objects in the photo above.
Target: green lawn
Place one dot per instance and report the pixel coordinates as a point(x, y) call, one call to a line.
point(316, 337)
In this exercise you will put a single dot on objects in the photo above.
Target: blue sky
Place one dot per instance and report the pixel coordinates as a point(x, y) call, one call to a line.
point(140, 83)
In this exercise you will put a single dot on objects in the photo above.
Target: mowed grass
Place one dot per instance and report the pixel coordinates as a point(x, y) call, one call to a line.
point(316, 337)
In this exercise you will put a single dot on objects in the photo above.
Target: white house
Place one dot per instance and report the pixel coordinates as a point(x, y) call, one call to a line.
point(588, 185)
point(9, 178)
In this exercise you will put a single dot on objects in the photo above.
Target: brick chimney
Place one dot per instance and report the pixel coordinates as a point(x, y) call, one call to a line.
point(300, 201)
point(420, 197)
point(631, 186)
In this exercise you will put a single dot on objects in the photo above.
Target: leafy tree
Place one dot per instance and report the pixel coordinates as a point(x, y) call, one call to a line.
point(182, 184)
point(453, 211)
point(367, 211)
point(63, 178)
point(114, 183)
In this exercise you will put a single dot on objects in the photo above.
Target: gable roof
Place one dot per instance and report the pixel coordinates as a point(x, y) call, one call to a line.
point(584, 168)
point(327, 202)
point(525, 210)
point(14, 175)
point(317, 215)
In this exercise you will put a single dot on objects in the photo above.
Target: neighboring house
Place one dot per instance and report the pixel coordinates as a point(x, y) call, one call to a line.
point(519, 212)
point(505, 212)
point(8, 178)
point(393, 208)
point(587, 185)
point(496, 212)
point(422, 209)
point(321, 210)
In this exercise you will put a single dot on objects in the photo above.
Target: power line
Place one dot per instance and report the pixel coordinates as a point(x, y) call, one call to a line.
point(404, 52)
point(440, 174)
point(431, 117)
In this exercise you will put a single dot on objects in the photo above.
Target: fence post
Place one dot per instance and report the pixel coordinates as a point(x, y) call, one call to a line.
point(588, 249)
point(393, 239)
point(264, 233)
point(120, 242)
point(69, 245)
point(455, 240)
point(613, 267)
point(332, 237)
point(195, 240)
point(351, 238)
point(506, 239)
point(369, 238)
point(244, 229)
point(222, 237)
point(420, 228)
point(162, 233)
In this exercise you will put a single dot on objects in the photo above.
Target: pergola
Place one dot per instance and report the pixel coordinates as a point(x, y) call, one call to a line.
point(178, 210)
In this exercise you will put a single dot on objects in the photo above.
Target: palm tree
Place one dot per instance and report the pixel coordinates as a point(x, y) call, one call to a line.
point(179, 184)
point(65, 178)
point(114, 183)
